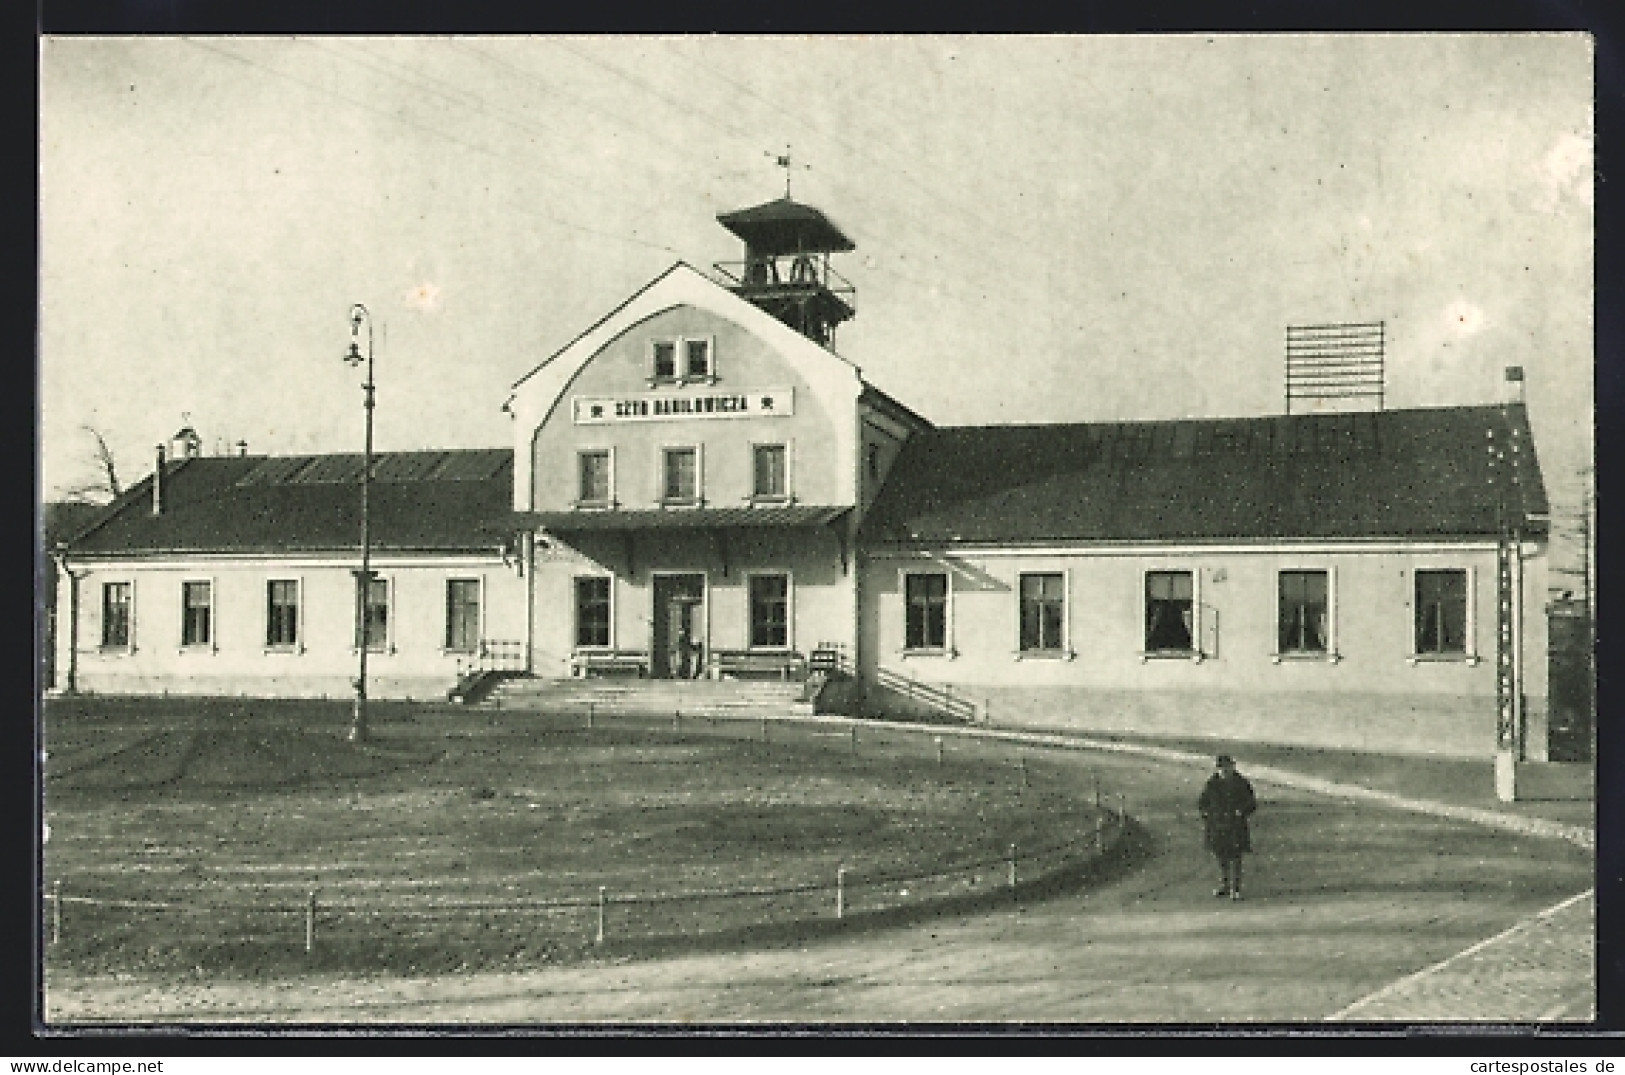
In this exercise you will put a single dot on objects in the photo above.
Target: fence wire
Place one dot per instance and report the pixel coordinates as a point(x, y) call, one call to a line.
point(83, 924)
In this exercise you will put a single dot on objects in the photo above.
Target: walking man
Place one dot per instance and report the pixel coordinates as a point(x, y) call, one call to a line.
point(1225, 804)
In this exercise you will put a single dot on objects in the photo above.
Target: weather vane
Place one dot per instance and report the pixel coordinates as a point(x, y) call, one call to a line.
point(784, 161)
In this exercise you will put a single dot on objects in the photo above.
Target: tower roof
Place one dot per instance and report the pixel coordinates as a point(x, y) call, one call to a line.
point(783, 226)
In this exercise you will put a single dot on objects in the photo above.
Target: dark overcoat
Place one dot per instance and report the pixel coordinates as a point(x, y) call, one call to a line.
point(1225, 804)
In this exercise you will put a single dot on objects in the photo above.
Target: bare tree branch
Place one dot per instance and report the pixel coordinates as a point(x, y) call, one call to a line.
point(106, 485)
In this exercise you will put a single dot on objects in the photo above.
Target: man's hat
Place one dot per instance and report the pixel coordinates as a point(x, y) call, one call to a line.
point(1225, 759)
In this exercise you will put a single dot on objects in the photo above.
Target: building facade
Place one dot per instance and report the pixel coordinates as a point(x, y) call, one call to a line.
point(1324, 579)
point(700, 486)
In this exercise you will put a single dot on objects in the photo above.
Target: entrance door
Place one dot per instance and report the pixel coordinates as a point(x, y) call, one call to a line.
point(676, 649)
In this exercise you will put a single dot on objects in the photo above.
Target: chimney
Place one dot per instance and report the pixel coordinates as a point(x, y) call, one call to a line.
point(242, 447)
point(158, 484)
point(1512, 387)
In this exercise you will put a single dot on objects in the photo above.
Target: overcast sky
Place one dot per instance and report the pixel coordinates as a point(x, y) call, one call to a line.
point(1048, 229)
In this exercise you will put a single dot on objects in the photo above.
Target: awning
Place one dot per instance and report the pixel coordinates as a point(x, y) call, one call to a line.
point(616, 520)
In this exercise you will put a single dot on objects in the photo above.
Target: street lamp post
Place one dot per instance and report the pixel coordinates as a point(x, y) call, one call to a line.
point(359, 316)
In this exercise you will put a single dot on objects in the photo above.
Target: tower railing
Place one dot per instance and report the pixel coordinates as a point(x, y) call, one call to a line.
point(786, 273)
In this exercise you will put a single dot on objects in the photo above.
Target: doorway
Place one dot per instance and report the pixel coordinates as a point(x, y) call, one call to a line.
point(677, 650)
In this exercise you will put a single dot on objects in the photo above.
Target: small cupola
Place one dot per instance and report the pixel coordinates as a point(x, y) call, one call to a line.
point(185, 444)
point(786, 269)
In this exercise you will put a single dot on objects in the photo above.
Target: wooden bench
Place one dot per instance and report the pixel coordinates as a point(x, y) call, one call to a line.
point(736, 662)
point(584, 663)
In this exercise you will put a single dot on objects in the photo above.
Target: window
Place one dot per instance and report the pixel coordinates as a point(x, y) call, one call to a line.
point(682, 476)
point(282, 613)
point(377, 614)
point(1168, 609)
point(682, 359)
point(1043, 613)
point(463, 615)
point(1302, 624)
point(594, 471)
point(665, 360)
point(697, 358)
point(874, 462)
point(197, 601)
point(770, 611)
point(1441, 612)
point(926, 616)
point(769, 468)
point(116, 598)
point(592, 611)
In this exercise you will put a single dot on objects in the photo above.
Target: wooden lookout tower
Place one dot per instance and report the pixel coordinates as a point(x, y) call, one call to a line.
point(786, 270)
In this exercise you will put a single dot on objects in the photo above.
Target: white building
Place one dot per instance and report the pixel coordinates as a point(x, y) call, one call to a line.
point(700, 485)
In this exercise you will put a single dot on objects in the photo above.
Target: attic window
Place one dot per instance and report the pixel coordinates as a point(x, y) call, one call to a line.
point(682, 359)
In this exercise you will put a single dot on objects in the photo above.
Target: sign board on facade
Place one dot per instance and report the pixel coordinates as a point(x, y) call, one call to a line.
point(672, 406)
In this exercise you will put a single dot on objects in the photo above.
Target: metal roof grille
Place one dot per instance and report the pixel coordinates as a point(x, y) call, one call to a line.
point(1337, 362)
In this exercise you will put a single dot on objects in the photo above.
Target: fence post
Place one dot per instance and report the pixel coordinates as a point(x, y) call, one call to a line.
point(1096, 778)
point(600, 915)
point(589, 716)
point(310, 922)
point(854, 738)
point(840, 892)
point(1012, 865)
point(764, 729)
point(1023, 760)
point(677, 720)
point(1100, 833)
point(1122, 812)
point(939, 750)
point(56, 911)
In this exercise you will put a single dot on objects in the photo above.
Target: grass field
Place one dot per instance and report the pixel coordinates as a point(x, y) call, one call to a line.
point(188, 834)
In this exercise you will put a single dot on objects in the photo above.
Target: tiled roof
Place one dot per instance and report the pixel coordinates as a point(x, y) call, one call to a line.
point(428, 501)
point(1401, 473)
point(783, 226)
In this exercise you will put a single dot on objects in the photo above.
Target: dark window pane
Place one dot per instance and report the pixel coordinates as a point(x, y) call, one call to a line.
point(116, 614)
point(699, 357)
point(282, 616)
point(1168, 610)
point(1302, 612)
point(195, 610)
point(1043, 606)
point(592, 611)
point(681, 473)
point(665, 358)
point(769, 468)
point(926, 616)
point(770, 610)
point(378, 614)
point(1441, 611)
point(594, 477)
point(462, 615)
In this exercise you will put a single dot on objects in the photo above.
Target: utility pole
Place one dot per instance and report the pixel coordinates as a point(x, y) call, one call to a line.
point(359, 315)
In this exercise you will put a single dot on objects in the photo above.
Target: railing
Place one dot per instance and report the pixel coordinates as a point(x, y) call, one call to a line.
point(494, 655)
point(584, 663)
point(478, 672)
point(734, 662)
point(786, 273)
point(830, 658)
point(936, 697)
